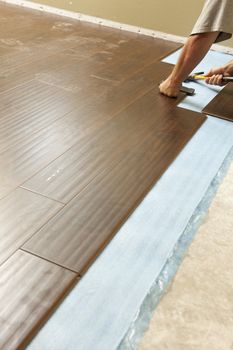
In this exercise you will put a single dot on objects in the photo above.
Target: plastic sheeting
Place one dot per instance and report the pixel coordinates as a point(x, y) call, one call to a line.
point(144, 315)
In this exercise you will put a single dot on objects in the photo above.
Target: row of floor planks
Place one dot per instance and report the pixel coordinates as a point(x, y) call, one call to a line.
point(84, 135)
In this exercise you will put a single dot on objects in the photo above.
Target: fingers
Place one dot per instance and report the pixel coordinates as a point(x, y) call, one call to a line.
point(214, 76)
point(215, 79)
point(215, 71)
point(209, 74)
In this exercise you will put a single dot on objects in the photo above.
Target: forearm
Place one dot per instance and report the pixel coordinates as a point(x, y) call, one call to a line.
point(229, 68)
point(193, 52)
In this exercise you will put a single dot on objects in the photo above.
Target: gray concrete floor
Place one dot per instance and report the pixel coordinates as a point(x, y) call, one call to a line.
point(197, 311)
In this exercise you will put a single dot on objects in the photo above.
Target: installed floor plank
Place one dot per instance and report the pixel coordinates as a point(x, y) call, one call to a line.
point(22, 213)
point(30, 289)
point(54, 59)
point(34, 146)
point(222, 105)
point(81, 97)
point(29, 108)
point(74, 74)
point(49, 69)
point(76, 236)
point(132, 57)
point(70, 173)
point(53, 34)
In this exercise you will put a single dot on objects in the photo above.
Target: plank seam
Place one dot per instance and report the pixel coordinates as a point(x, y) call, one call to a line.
point(145, 92)
point(41, 194)
point(50, 261)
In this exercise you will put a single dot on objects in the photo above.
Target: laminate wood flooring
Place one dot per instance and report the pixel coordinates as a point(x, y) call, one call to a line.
point(30, 289)
point(69, 174)
point(222, 105)
point(22, 214)
point(46, 122)
point(78, 233)
point(84, 135)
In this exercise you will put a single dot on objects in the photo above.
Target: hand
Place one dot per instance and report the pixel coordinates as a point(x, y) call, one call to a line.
point(215, 76)
point(169, 88)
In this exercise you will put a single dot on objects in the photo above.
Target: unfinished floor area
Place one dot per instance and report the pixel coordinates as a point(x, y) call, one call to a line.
point(197, 310)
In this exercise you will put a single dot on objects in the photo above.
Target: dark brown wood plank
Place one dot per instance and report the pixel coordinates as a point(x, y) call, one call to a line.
point(22, 213)
point(30, 290)
point(84, 98)
point(70, 173)
point(27, 145)
point(32, 36)
point(222, 105)
point(27, 37)
point(39, 50)
point(49, 69)
point(29, 108)
point(76, 236)
point(74, 74)
point(132, 56)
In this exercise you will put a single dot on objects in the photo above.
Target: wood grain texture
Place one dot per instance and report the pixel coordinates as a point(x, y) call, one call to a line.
point(30, 290)
point(50, 89)
point(130, 57)
point(75, 237)
point(222, 105)
point(22, 213)
point(28, 108)
point(70, 173)
point(38, 127)
point(81, 122)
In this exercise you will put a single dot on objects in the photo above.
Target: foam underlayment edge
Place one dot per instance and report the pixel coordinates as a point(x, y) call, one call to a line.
point(142, 319)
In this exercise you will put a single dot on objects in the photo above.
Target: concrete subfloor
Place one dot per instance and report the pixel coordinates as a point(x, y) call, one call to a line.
point(197, 311)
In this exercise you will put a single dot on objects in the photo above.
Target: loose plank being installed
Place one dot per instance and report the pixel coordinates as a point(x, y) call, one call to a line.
point(77, 235)
point(222, 105)
point(30, 290)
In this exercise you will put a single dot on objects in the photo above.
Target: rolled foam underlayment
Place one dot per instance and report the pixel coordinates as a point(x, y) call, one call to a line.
point(110, 307)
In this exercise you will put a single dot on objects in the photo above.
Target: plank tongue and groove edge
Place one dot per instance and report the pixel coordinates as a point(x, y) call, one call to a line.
point(222, 105)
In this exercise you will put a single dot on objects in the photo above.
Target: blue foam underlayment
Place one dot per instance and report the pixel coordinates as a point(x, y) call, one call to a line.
point(203, 94)
point(142, 319)
point(105, 304)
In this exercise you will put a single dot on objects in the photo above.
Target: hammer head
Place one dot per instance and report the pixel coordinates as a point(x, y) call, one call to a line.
point(187, 91)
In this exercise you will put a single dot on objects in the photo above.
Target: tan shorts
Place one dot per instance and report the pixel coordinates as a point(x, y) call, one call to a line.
point(216, 16)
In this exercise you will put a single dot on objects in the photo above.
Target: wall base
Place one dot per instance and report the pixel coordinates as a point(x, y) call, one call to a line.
point(108, 23)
